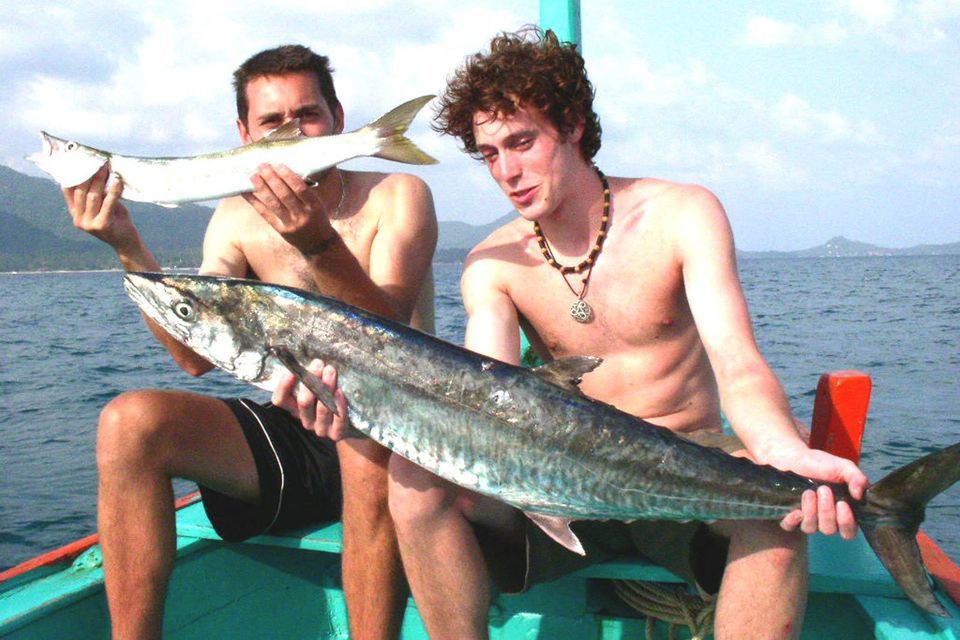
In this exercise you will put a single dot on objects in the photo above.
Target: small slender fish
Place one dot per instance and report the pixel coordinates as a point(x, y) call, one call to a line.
point(526, 437)
point(176, 180)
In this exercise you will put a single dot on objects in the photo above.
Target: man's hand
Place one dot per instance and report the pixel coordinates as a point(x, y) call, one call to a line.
point(819, 509)
point(96, 209)
point(303, 404)
point(291, 206)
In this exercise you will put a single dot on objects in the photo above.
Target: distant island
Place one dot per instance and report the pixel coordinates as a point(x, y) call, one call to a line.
point(36, 234)
point(840, 247)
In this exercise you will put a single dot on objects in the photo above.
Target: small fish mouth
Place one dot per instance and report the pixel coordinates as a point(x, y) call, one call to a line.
point(48, 146)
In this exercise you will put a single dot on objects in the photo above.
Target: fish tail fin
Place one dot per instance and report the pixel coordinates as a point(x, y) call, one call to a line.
point(390, 127)
point(890, 516)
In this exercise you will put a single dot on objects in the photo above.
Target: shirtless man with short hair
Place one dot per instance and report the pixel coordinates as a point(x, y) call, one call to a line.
point(366, 238)
point(656, 296)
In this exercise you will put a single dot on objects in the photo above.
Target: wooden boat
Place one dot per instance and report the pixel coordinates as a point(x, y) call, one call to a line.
point(288, 586)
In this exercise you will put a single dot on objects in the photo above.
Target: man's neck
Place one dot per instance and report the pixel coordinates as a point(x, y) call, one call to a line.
point(572, 227)
point(332, 185)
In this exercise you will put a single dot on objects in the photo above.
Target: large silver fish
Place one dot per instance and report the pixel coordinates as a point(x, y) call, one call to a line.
point(527, 437)
point(172, 181)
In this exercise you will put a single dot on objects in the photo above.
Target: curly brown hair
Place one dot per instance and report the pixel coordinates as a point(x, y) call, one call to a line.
point(288, 58)
point(529, 68)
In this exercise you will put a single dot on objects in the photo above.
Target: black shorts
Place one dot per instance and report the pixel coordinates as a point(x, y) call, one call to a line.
point(688, 549)
point(299, 475)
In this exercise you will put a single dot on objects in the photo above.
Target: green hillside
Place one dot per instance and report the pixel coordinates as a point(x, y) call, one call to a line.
point(37, 232)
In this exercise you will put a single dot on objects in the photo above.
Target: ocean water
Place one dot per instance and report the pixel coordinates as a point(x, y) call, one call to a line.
point(69, 342)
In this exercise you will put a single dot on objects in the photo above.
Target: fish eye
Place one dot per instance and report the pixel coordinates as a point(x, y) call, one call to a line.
point(70, 146)
point(183, 309)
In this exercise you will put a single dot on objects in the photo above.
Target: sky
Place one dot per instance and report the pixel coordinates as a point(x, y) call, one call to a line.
point(808, 119)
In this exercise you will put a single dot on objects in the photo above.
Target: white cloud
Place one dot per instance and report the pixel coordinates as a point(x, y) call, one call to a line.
point(795, 116)
point(767, 32)
point(875, 14)
point(915, 25)
point(63, 108)
point(909, 25)
point(831, 32)
point(769, 164)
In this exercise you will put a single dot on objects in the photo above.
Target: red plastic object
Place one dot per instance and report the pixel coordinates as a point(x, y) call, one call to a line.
point(840, 413)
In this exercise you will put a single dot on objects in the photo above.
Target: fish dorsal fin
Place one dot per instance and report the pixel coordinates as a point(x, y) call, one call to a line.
point(286, 131)
point(568, 372)
point(559, 529)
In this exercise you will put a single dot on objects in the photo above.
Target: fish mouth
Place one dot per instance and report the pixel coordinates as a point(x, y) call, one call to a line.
point(130, 285)
point(47, 149)
point(137, 283)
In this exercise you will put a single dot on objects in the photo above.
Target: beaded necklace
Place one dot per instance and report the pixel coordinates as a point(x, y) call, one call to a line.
point(580, 310)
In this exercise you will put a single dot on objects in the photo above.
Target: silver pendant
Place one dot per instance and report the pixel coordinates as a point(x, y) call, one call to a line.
point(581, 311)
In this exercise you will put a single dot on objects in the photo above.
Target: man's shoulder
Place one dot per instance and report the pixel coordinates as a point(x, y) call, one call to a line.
point(659, 190)
point(231, 207)
point(665, 202)
point(393, 196)
point(382, 184)
point(497, 255)
point(231, 216)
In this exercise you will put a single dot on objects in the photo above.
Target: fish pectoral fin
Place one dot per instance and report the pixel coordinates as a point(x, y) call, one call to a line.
point(567, 372)
point(287, 131)
point(309, 380)
point(559, 529)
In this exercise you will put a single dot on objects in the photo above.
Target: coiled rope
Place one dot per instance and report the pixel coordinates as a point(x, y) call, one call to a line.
point(671, 604)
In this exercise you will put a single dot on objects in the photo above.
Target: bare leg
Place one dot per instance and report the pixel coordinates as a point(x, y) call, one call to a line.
point(440, 551)
point(144, 439)
point(373, 583)
point(764, 588)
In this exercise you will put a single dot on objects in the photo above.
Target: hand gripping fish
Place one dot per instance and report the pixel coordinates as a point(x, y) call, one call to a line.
point(173, 181)
point(526, 437)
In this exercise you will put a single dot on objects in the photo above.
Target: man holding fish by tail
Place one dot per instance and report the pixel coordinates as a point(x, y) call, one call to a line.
point(367, 238)
point(641, 273)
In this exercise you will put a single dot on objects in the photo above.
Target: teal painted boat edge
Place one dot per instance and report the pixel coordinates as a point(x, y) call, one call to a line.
point(897, 619)
point(246, 575)
point(46, 589)
point(192, 522)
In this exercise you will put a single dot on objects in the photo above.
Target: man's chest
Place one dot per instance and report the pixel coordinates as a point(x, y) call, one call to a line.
point(633, 302)
point(273, 259)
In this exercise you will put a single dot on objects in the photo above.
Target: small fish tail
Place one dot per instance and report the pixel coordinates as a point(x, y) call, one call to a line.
point(890, 516)
point(391, 126)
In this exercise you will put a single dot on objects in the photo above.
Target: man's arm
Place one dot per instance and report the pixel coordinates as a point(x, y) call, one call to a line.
point(493, 327)
point(400, 257)
point(750, 393)
point(96, 209)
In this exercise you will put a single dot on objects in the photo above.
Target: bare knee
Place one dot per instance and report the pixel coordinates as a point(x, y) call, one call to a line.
point(131, 430)
point(416, 496)
point(780, 547)
point(363, 470)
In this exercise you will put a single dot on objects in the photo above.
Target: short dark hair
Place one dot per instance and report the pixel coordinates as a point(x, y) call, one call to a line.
point(289, 58)
point(529, 68)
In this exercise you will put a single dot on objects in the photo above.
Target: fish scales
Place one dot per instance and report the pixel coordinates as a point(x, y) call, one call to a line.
point(560, 453)
point(526, 437)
